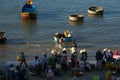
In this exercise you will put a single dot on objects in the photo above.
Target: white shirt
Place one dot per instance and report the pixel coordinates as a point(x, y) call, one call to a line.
point(49, 73)
point(35, 62)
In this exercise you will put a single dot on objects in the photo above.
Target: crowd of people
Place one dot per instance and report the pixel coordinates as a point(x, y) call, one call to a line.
point(59, 62)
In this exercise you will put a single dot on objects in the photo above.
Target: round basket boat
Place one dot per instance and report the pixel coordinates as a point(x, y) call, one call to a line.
point(95, 10)
point(76, 18)
point(28, 15)
point(28, 11)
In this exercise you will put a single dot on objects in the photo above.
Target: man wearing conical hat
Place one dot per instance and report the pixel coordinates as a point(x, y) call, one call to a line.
point(64, 51)
point(72, 49)
point(84, 55)
point(109, 56)
point(104, 56)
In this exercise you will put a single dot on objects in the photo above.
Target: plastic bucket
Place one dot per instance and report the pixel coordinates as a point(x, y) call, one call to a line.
point(96, 77)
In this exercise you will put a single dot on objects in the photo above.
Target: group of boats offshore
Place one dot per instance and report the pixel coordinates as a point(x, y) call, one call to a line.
point(29, 12)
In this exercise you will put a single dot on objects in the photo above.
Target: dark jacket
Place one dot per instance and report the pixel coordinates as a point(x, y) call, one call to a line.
point(84, 56)
point(99, 55)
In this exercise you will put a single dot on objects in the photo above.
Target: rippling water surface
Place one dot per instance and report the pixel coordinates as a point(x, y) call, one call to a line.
point(52, 16)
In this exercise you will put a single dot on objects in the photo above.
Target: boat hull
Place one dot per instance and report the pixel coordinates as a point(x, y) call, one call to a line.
point(28, 15)
point(95, 10)
point(2, 40)
point(67, 39)
point(76, 18)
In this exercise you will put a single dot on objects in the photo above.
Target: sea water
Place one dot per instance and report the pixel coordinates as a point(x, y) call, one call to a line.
point(34, 36)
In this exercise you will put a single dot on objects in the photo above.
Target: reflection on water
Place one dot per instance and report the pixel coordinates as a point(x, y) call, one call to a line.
point(28, 26)
point(28, 23)
point(75, 23)
point(3, 46)
point(93, 16)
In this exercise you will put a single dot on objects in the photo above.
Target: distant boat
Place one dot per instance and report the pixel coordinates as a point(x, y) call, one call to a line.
point(66, 36)
point(3, 38)
point(65, 39)
point(95, 10)
point(28, 10)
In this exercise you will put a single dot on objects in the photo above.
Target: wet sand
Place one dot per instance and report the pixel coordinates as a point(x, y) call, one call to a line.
point(69, 76)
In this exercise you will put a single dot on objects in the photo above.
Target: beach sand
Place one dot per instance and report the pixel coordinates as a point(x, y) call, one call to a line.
point(69, 76)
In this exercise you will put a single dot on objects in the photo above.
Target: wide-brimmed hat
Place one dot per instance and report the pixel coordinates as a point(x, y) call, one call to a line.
point(72, 48)
point(109, 50)
point(64, 49)
point(105, 49)
point(73, 51)
point(81, 51)
point(52, 51)
point(84, 50)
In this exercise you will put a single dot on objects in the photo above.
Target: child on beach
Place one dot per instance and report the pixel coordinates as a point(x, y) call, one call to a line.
point(23, 59)
point(49, 73)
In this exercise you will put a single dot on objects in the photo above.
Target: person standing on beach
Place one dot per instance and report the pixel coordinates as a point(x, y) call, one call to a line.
point(64, 62)
point(35, 61)
point(64, 51)
point(23, 59)
point(43, 60)
point(104, 56)
point(99, 58)
point(84, 55)
point(109, 56)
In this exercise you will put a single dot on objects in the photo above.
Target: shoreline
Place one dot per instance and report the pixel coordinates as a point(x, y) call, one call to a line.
point(12, 54)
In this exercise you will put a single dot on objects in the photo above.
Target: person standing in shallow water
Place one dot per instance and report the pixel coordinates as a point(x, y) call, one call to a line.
point(74, 44)
point(23, 59)
point(59, 39)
